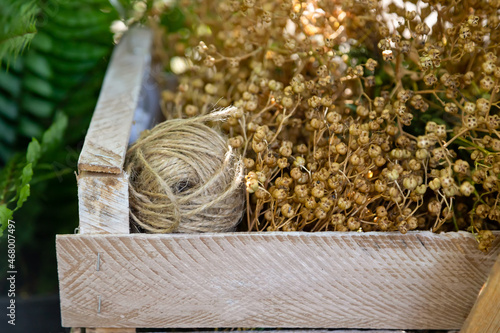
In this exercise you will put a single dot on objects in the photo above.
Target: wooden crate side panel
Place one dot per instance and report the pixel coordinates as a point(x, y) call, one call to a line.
point(107, 138)
point(345, 280)
point(110, 330)
point(132, 330)
point(485, 315)
point(103, 203)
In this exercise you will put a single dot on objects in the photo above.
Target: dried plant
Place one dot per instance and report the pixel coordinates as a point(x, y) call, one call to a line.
point(353, 115)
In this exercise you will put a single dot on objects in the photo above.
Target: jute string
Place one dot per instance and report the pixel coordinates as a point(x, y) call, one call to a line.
point(184, 177)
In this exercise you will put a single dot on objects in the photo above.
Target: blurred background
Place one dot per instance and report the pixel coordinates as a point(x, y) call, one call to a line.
point(53, 57)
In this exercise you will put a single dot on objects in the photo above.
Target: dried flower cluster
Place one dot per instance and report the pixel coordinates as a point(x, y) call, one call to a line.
point(353, 115)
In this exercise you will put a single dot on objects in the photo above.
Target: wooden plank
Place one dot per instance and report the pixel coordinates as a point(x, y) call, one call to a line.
point(107, 138)
point(307, 331)
point(110, 330)
point(103, 208)
point(148, 111)
point(373, 280)
point(485, 315)
point(103, 203)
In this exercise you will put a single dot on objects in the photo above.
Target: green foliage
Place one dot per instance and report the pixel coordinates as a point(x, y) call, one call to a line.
point(173, 19)
point(16, 177)
point(17, 26)
point(61, 71)
point(52, 86)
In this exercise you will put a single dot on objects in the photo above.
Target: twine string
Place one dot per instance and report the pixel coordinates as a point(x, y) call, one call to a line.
point(184, 178)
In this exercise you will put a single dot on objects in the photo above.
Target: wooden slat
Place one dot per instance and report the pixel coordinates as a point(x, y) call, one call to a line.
point(103, 208)
point(110, 330)
point(107, 138)
point(485, 315)
point(103, 203)
point(351, 280)
point(303, 331)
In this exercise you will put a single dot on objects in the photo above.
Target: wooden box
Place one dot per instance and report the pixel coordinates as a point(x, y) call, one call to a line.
point(110, 278)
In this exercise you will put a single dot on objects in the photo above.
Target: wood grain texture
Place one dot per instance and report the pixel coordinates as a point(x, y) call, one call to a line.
point(103, 203)
point(485, 315)
point(345, 280)
point(303, 331)
point(107, 138)
point(133, 330)
point(110, 330)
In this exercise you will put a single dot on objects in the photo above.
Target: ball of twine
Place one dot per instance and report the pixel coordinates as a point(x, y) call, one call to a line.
point(185, 178)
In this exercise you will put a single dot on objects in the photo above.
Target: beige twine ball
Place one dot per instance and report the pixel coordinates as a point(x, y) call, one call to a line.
point(184, 177)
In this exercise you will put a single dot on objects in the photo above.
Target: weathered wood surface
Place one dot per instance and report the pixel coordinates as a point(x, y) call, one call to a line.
point(351, 280)
point(107, 138)
point(103, 208)
point(125, 330)
point(111, 330)
point(103, 203)
point(485, 315)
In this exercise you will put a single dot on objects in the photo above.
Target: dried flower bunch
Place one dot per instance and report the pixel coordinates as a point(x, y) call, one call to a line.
point(353, 115)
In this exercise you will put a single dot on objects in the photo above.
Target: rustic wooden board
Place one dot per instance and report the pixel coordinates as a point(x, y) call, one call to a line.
point(485, 315)
point(110, 330)
point(346, 280)
point(304, 331)
point(106, 141)
point(103, 203)
point(125, 330)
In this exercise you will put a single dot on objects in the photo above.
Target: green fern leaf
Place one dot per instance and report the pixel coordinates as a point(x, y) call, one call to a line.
point(17, 26)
